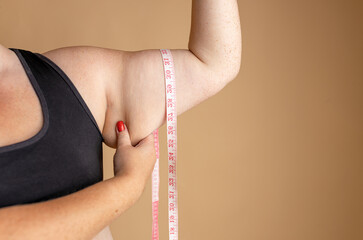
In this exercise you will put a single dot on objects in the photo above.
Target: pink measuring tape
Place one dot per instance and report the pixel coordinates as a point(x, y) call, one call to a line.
point(171, 115)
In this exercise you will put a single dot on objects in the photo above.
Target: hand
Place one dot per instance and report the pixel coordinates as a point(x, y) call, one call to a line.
point(134, 162)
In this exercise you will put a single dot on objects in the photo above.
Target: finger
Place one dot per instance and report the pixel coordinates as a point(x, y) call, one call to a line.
point(123, 137)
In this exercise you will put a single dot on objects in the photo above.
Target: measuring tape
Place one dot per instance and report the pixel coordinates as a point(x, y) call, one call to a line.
point(171, 115)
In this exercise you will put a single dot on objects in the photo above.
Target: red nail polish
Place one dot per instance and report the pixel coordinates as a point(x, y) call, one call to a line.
point(120, 126)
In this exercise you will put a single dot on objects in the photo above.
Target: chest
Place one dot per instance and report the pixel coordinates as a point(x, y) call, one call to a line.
point(21, 113)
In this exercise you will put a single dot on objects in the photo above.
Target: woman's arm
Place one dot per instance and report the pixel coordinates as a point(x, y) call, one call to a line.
point(134, 80)
point(211, 62)
point(80, 215)
point(215, 36)
point(83, 214)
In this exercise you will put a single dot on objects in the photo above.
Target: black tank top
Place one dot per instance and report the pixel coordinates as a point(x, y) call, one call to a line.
point(65, 155)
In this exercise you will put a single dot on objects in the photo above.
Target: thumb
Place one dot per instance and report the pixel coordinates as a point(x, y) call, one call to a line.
point(123, 137)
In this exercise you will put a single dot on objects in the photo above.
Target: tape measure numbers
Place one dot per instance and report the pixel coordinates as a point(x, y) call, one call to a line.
point(171, 124)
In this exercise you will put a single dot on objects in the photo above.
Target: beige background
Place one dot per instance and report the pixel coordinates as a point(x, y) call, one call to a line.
point(278, 153)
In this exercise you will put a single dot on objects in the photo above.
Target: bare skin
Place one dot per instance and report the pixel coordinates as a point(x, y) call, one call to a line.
point(123, 85)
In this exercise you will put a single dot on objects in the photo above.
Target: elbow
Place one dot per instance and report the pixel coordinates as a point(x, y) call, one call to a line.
point(234, 71)
point(234, 63)
point(223, 74)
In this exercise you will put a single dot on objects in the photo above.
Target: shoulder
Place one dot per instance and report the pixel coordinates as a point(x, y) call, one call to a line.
point(92, 70)
point(88, 59)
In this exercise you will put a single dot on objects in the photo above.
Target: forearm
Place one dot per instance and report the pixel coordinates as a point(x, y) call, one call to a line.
point(215, 36)
point(80, 215)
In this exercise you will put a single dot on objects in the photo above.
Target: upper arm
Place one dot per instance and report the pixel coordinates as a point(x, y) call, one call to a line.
point(142, 88)
point(132, 83)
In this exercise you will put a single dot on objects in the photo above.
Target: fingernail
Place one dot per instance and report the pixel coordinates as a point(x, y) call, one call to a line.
point(120, 126)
